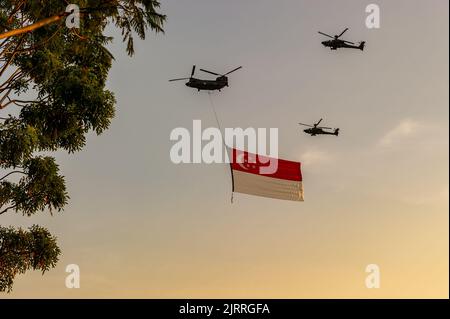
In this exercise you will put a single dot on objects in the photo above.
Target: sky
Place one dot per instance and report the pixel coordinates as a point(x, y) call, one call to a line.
point(140, 226)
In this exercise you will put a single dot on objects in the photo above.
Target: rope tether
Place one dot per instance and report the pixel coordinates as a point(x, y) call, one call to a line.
point(223, 140)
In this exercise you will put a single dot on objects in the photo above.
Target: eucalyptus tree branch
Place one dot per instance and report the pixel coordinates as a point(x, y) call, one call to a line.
point(4, 67)
point(33, 26)
point(41, 44)
point(13, 172)
point(8, 208)
point(12, 78)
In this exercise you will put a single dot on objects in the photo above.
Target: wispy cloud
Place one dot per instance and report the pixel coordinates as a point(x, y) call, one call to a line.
point(429, 196)
point(404, 129)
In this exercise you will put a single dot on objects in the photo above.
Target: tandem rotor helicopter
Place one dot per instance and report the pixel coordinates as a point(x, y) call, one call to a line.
point(207, 85)
point(338, 43)
point(315, 129)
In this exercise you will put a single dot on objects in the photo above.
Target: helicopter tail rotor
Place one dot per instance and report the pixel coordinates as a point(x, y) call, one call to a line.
point(361, 45)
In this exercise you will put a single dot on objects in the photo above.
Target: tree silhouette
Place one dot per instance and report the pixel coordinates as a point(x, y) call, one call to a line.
point(52, 93)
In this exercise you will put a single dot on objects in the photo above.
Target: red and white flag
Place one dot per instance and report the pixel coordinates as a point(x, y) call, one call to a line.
point(252, 175)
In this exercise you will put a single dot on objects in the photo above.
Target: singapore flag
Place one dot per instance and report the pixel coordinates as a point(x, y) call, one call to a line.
point(267, 177)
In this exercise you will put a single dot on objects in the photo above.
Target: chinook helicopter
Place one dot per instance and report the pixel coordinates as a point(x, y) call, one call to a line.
point(315, 129)
point(338, 43)
point(207, 85)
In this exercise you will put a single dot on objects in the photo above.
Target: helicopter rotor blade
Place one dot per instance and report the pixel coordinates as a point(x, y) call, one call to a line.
point(233, 70)
point(193, 71)
point(327, 35)
point(318, 122)
point(348, 42)
point(213, 73)
point(179, 79)
point(342, 33)
point(327, 128)
point(305, 125)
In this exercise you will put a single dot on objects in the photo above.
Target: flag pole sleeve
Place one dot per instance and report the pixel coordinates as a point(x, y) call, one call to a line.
point(231, 171)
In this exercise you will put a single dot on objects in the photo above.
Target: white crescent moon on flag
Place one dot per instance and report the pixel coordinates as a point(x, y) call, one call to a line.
point(245, 164)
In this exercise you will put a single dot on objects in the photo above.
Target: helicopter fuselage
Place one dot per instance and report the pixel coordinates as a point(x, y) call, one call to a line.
point(319, 131)
point(336, 44)
point(208, 85)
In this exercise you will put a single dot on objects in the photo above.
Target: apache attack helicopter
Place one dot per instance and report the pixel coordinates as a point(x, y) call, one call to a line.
point(319, 130)
point(208, 85)
point(338, 43)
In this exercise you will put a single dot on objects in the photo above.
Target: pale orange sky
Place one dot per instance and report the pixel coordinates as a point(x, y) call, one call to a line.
point(141, 227)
